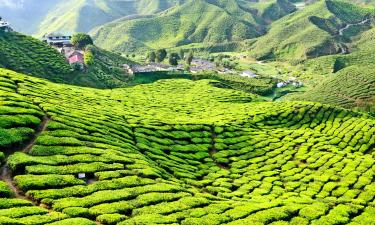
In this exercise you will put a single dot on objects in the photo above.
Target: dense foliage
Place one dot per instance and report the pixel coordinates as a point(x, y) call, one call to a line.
point(353, 87)
point(81, 40)
point(31, 56)
point(194, 21)
point(317, 30)
point(183, 152)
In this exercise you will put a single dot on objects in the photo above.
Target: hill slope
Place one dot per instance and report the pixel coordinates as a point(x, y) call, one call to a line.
point(84, 15)
point(196, 21)
point(185, 152)
point(352, 87)
point(324, 28)
point(28, 55)
point(31, 56)
point(26, 16)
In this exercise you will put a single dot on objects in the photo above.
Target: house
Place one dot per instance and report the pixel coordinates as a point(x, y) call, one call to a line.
point(5, 26)
point(248, 73)
point(76, 57)
point(128, 69)
point(57, 39)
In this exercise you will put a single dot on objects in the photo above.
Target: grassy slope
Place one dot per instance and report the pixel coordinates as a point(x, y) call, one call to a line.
point(196, 21)
point(184, 152)
point(311, 32)
point(30, 56)
point(352, 87)
point(84, 15)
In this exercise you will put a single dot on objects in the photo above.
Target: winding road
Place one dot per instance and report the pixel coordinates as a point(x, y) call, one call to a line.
point(342, 30)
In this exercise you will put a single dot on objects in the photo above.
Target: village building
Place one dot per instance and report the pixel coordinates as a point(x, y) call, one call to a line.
point(128, 69)
point(5, 26)
point(152, 67)
point(76, 57)
point(248, 73)
point(57, 39)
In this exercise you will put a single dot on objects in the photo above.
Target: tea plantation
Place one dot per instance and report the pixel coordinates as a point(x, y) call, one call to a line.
point(179, 152)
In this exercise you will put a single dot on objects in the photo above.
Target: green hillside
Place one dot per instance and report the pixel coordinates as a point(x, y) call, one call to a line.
point(323, 28)
point(352, 87)
point(180, 152)
point(196, 21)
point(83, 15)
point(28, 55)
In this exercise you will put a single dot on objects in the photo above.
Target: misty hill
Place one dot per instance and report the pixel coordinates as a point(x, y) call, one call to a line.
point(196, 21)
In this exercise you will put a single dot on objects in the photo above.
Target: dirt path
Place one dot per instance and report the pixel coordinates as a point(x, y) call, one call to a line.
point(341, 31)
point(6, 172)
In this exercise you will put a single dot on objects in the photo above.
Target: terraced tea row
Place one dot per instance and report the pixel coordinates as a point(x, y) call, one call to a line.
point(184, 152)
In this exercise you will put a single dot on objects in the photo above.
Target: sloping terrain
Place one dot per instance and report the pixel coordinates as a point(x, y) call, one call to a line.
point(352, 87)
point(196, 21)
point(323, 28)
point(183, 152)
point(26, 16)
point(28, 55)
point(84, 15)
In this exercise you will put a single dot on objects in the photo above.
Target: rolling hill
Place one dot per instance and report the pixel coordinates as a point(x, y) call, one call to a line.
point(179, 152)
point(352, 87)
point(84, 15)
point(28, 55)
point(324, 28)
point(195, 21)
point(26, 16)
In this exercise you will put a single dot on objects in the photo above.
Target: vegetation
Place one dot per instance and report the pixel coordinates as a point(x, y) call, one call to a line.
point(352, 87)
point(313, 32)
point(183, 152)
point(81, 40)
point(30, 56)
point(194, 21)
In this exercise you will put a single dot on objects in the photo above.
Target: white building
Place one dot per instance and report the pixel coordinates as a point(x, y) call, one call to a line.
point(5, 26)
point(57, 39)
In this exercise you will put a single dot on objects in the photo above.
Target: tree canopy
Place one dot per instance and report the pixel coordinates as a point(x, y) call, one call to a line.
point(81, 40)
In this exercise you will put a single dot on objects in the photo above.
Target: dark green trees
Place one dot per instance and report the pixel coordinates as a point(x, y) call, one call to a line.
point(81, 40)
point(161, 54)
point(173, 59)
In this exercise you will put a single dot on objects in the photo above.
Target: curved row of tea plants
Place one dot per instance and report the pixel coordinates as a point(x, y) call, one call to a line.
point(185, 152)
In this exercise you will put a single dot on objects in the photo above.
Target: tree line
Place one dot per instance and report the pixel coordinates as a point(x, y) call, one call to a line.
point(173, 58)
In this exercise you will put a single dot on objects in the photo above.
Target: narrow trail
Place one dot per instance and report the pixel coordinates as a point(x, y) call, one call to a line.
point(343, 47)
point(341, 31)
point(6, 173)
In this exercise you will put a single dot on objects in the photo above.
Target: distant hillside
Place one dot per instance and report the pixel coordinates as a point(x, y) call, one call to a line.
point(25, 16)
point(28, 55)
point(324, 28)
point(352, 87)
point(84, 15)
point(196, 21)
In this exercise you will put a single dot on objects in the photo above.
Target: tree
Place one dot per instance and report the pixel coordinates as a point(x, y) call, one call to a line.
point(161, 54)
point(152, 56)
point(189, 58)
point(81, 40)
point(173, 59)
point(89, 58)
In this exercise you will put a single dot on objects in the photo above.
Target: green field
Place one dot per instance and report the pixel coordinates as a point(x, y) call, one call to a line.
point(180, 152)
